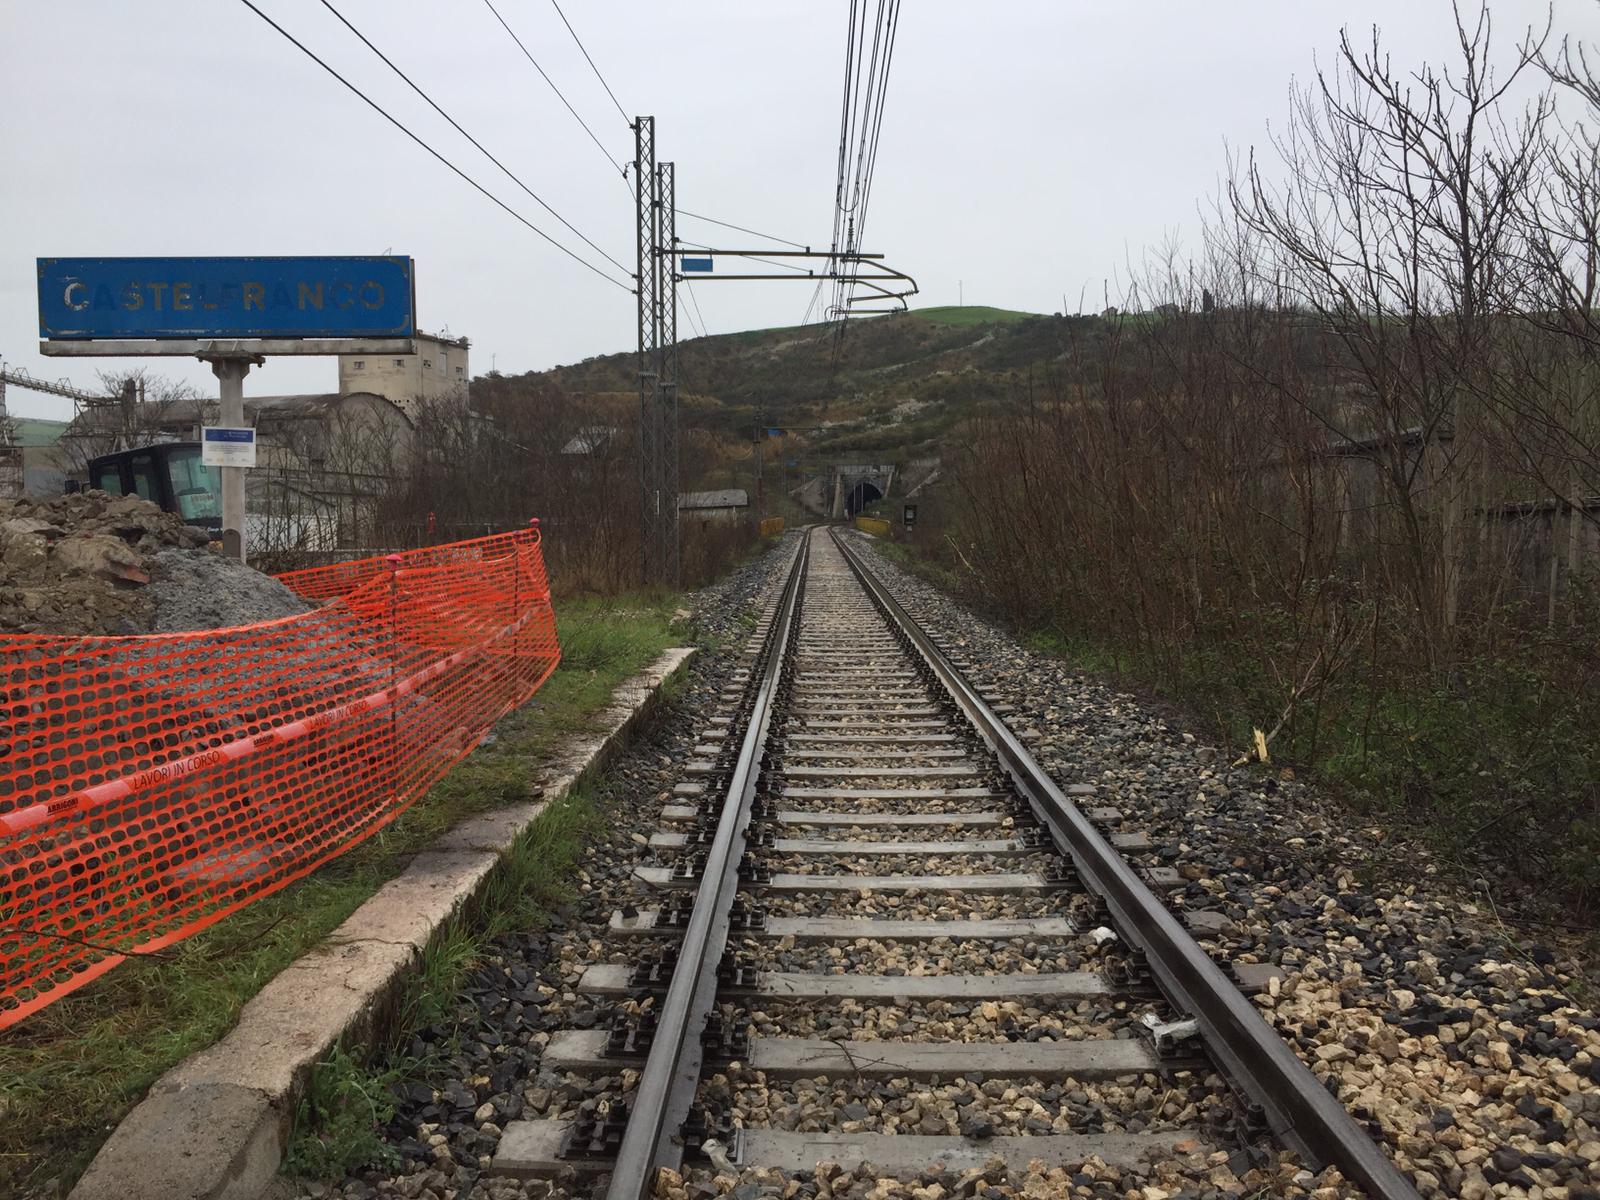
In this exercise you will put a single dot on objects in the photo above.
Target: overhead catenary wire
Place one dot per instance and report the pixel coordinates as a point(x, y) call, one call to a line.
point(688, 317)
point(620, 111)
point(844, 122)
point(877, 126)
point(742, 229)
point(865, 116)
point(384, 113)
point(694, 300)
point(866, 82)
point(701, 248)
point(511, 175)
point(526, 54)
point(816, 294)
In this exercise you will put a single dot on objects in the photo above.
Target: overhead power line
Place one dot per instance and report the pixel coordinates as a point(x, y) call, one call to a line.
point(752, 232)
point(457, 125)
point(684, 247)
point(866, 86)
point(877, 125)
point(382, 112)
point(816, 294)
point(694, 300)
point(490, 6)
point(592, 67)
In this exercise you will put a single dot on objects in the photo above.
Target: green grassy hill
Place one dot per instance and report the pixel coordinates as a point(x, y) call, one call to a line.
point(976, 314)
point(893, 387)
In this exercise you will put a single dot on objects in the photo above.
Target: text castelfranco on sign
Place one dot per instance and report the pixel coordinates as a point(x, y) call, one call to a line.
point(181, 296)
point(263, 297)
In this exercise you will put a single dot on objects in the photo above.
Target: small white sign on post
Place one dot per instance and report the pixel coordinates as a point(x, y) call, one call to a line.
point(227, 446)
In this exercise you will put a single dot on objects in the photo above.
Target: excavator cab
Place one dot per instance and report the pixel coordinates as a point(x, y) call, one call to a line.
point(170, 475)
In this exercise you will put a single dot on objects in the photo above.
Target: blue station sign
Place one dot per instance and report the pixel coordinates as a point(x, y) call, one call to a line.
point(362, 297)
point(697, 264)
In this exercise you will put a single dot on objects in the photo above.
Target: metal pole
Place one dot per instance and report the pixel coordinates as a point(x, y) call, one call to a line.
point(644, 183)
point(11, 465)
point(230, 373)
point(667, 384)
point(761, 458)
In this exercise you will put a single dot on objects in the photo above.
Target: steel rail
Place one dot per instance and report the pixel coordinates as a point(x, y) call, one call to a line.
point(671, 1074)
point(1298, 1109)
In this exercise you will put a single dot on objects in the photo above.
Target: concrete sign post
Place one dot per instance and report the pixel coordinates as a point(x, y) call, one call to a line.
point(230, 371)
point(231, 313)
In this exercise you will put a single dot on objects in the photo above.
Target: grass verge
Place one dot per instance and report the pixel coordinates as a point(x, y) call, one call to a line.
point(1474, 767)
point(338, 1123)
point(70, 1073)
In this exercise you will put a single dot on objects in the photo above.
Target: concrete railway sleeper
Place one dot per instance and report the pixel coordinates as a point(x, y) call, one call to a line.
point(858, 791)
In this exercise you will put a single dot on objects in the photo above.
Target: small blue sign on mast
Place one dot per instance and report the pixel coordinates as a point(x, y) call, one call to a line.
point(697, 264)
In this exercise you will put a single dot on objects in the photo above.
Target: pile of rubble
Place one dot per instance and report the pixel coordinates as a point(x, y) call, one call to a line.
point(91, 564)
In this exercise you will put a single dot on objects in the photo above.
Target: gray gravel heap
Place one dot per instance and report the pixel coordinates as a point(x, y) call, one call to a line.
point(194, 589)
point(89, 563)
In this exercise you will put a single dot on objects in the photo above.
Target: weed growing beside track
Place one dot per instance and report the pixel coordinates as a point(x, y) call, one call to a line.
point(1429, 762)
point(69, 1074)
point(348, 1099)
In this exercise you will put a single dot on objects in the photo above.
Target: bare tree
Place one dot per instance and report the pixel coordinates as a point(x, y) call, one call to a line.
point(139, 408)
point(1392, 226)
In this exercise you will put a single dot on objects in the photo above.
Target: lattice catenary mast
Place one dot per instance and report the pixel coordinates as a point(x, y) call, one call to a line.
point(656, 228)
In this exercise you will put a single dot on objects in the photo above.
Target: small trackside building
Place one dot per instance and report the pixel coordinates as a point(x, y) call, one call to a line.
point(723, 507)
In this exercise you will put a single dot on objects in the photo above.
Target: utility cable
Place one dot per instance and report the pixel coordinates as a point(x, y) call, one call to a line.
point(694, 300)
point(742, 229)
point(771, 262)
point(816, 294)
point(860, 135)
point(590, 61)
point(377, 108)
point(554, 88)
point(457, 125)
point(877, 129)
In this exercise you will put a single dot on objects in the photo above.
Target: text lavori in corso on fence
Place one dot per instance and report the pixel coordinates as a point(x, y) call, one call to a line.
point(363, 296)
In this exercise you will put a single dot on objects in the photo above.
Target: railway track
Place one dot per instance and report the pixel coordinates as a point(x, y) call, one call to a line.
point(857, 792)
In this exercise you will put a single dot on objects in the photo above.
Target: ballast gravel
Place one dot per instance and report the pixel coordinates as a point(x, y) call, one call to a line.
point(481, 1064)
point(940, 956)
point(981, 1107)
point(1459, 1046)
point(943, 1021)
point(1461, 1039)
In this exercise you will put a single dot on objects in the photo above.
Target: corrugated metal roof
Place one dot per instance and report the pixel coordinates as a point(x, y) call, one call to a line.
point(194, 410)
point(726, 498)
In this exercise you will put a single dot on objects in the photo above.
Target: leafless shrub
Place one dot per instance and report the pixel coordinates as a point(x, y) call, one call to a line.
point(1344, 458)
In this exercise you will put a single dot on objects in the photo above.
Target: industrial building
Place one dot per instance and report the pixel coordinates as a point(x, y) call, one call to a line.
point(324, 460)
point(722, 507)
point(437, 371)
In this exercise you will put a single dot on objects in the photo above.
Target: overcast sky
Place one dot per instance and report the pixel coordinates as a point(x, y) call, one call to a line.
point(1029, 148)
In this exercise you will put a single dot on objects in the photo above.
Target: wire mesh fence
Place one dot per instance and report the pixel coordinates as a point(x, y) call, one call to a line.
point(152, 785)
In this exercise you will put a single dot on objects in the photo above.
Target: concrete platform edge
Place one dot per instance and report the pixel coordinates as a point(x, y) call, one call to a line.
point(215, 1127)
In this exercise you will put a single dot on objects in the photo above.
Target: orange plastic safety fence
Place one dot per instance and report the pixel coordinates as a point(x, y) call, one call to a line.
point(150, 786)
point(338, 579)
